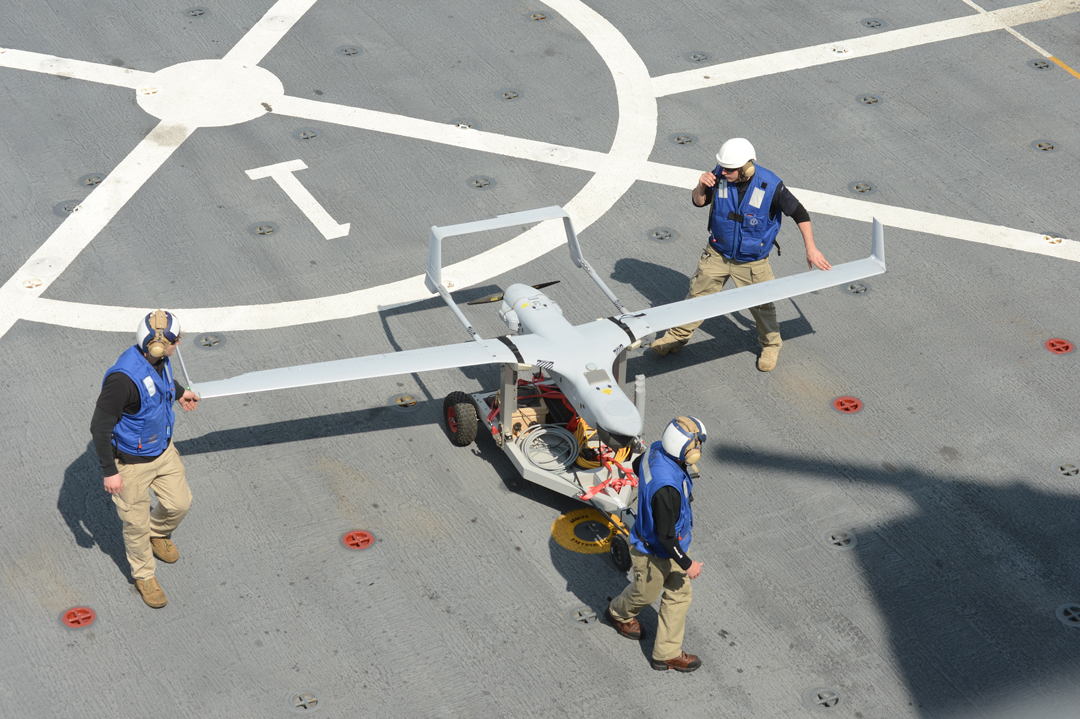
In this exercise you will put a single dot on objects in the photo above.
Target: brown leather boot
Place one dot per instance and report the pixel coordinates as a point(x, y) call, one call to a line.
point(631, 629)
point(164, 549)
point(682, 663)
point(151, 592)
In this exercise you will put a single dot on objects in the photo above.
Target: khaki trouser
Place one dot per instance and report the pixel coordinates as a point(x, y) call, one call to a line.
point(166, 476)
point(653, 575)
point(711, 276)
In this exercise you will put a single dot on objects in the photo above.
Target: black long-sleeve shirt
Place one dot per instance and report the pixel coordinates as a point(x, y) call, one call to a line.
point(119, 396)
point(667, 508)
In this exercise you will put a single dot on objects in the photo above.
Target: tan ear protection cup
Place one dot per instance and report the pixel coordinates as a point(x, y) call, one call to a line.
point(746, 171)
point(159, 322)
point(693, 452)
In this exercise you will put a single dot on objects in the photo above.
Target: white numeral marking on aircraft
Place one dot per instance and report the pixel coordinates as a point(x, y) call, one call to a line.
point(282, 173)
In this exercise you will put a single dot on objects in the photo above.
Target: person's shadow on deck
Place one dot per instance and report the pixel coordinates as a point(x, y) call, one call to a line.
point(89, 512)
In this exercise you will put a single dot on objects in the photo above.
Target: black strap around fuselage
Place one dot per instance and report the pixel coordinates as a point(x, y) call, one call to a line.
point(513, 348)
point(625, 329)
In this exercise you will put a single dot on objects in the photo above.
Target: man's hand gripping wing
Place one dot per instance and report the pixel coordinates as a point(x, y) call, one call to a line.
point(658, 319)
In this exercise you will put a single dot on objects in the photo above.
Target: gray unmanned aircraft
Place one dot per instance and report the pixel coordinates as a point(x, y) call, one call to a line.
point(585, 363)
point(581, 360)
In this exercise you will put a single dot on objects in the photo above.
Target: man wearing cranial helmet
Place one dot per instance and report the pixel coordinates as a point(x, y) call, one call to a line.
point(660, 541)
point(132, 430)
point(747, 204)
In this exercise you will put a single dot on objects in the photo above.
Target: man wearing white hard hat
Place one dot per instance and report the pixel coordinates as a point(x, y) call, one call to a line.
point(748, 203)
point(660, 541)
point(132, 429)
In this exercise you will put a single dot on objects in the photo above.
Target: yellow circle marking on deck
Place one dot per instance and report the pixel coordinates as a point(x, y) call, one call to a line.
point(562, 531)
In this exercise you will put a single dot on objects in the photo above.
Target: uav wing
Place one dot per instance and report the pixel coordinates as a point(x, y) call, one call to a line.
point(480, 351)
point(664, 317)
point(419, 360)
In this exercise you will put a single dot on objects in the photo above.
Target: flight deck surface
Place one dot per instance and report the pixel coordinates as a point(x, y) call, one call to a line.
point(271, 171)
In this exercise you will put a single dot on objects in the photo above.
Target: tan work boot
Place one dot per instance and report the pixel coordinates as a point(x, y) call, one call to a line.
point(767, 361)
point(666, 344)
point(151, 592)
point(164, 549)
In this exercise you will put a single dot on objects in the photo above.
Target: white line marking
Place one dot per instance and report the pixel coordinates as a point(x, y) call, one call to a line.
point(901, 217)
point(77, 231)
point(634, 138)
point(1012, 32)
point(850, 208)
point(282, 173)
point(615, 172)
point(261, 39)
point(442, 133)
point(860, 47)
point(20, 296)
point(77, 69)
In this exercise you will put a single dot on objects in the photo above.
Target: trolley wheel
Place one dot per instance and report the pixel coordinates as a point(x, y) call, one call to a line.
point(620, 552)
point(461, 418)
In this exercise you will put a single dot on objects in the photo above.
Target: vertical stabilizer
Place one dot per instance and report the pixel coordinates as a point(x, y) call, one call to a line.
point(877, 247)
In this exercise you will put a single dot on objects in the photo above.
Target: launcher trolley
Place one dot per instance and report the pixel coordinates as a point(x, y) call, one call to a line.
point(550, 445)
point(532, 420)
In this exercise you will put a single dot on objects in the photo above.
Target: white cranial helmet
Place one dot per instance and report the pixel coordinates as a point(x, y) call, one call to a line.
point(735, 153)
point(683, 438)
point(156, 332)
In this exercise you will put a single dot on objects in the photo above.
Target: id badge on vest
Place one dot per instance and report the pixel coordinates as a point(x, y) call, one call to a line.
point(756, 197)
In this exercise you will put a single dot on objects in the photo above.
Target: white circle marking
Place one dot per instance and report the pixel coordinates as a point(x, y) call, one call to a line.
point(210, 93)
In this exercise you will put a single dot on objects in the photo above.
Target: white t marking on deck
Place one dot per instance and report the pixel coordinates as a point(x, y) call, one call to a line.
point(282, 173)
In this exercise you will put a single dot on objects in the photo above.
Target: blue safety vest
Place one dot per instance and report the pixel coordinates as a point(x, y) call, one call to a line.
point(743, 231)
point(658, 470)
point(146, 433)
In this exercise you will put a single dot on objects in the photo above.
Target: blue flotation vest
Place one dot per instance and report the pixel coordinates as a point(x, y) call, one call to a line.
point(146, 433)
point(658, 470)
point(743, 231)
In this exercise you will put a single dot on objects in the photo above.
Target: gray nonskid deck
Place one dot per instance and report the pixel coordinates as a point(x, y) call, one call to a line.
point(949, 477)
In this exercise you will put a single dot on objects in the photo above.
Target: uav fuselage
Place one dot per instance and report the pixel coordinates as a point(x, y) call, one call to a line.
point(579, 361)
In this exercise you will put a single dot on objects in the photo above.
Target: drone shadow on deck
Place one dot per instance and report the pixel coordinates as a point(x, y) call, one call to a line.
point(730, 334)
point(967, 585)
point(481, 373)
point(342, 424)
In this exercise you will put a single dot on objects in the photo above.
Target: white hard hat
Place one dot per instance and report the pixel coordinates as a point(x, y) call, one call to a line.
point(156, 332)
point(735, 153)
point(683, 438)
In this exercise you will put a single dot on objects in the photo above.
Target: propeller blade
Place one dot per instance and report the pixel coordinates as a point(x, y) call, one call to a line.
point(499, 295)
point(486, 300)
